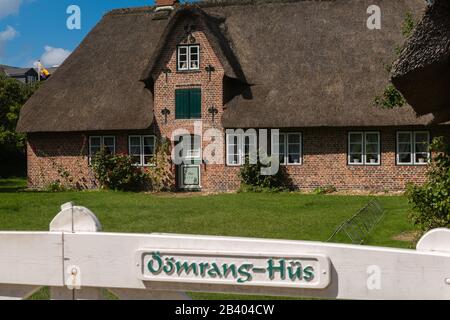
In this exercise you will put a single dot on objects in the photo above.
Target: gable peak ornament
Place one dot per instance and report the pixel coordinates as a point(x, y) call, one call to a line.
point(189, 30)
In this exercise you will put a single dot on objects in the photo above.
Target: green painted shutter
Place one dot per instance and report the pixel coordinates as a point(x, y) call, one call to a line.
point(182, 104)
point(195, 104)
point(188, 104)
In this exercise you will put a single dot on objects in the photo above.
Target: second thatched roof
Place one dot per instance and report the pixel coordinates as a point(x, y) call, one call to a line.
point(422, 73)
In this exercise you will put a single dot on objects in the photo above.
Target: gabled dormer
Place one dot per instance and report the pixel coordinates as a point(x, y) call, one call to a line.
point(184, 22)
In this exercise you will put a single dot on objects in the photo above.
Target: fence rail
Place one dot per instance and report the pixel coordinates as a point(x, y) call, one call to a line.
point(77, 261)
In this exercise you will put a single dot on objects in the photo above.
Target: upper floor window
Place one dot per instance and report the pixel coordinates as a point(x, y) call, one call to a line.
point(188, 57)
point(364, 148)
point(188, 104)
point(413, 147)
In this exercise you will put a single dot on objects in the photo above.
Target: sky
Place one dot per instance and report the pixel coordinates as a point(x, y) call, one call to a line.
point(32, 30)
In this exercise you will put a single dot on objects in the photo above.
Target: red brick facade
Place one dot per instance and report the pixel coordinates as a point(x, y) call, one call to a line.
point(324, 162)
point(63, 157)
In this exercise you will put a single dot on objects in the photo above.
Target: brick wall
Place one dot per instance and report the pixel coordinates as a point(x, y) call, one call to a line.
point(49, 155)
point(64, 157)
point(324, 162)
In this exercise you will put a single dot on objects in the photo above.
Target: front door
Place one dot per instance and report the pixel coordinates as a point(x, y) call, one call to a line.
point(189, 172)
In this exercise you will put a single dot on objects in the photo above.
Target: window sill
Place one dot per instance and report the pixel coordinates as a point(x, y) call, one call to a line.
point(188, 71)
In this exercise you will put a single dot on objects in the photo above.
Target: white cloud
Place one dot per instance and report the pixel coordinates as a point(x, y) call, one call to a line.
point(54, 56)
point(9, 34)
point(9, 7)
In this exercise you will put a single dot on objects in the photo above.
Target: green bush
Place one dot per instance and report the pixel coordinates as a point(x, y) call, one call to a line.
point(431, 202)
point(161, 174)
point(253, 181)
point(391, 98)
point(56, 186)
point(117, 172)
point(325, 190)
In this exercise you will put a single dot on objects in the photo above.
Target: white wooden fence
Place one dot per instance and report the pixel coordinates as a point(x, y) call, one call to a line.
point(77, 261)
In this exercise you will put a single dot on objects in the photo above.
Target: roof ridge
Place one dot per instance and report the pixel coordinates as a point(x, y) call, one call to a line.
point(207, 4)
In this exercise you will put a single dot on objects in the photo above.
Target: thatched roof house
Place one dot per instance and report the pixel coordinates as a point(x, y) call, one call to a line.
point(306, 63)
point(422, 73)
point(311, 69)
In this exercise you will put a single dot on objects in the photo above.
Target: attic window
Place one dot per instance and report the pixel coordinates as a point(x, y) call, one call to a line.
point(188, 57)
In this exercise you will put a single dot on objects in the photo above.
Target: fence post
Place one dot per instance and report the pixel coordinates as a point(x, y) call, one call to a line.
point(74, 219)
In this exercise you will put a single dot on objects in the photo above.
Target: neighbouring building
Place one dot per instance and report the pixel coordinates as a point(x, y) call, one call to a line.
point(311, 69)
point(24, 75)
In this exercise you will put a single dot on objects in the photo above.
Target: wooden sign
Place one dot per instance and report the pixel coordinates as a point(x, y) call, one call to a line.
point(263, 270)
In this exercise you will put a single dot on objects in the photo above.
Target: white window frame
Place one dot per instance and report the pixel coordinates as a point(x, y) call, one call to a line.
point(286, 136)
point(191, 152)
point(241, 154)
point(109, 137)
point(364, 161)
point(239, 144)
point(413, 152)
point(241, 147)
point(189, 56)
point(102, 144)
point(142, 147)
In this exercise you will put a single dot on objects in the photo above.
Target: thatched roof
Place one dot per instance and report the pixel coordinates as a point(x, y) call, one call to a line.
point(422, 73)
point(288, 63)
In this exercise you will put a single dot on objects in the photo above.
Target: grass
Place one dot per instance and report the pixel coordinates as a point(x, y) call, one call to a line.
point(276, 216)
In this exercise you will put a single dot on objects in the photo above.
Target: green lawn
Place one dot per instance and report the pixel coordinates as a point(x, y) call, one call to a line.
point(278, 216)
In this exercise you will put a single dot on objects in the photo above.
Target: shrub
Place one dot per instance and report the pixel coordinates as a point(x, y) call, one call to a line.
point(431, 202)
point(117, 172)
point(55, 186)
point(253, 181)
point(161, 175)
point(325, 190)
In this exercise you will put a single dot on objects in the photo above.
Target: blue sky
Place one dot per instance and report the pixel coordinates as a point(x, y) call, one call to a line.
point(36, 29)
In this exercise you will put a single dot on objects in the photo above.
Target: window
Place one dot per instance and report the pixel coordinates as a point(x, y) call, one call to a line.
point(189, 57)
point(188, 104)
point(142, 150)
point(241, 146)
point(245, 145)
point(413, 147)
point(291, 148)
point(234, 150)
point(364, 148)
point(97, 144)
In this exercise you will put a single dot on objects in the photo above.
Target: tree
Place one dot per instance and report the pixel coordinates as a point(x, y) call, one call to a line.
point(431, 202)
point(13, 95)
point(391, 97)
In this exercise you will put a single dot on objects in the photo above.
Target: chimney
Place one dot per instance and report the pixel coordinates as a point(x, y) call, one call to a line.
point(165, 4)
point(163, 9)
